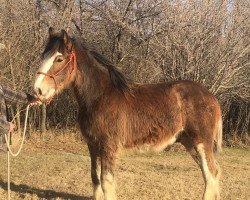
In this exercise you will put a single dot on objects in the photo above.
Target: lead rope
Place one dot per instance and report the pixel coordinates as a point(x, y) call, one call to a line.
point(10, 152)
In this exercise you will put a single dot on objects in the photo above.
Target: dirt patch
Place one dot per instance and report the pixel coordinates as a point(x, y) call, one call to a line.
point(59, 168)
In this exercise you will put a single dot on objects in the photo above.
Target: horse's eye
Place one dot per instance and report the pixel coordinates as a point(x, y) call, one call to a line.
point(59, 60)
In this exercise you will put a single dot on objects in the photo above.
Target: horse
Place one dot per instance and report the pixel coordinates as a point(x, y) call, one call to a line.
point(116, 113)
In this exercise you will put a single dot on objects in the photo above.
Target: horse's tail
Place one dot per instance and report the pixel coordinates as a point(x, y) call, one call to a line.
point(218, 142)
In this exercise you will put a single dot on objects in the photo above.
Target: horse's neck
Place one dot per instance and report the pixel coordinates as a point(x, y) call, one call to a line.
point(91, 82)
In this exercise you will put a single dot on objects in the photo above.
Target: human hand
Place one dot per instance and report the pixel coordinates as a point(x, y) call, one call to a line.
point(35, 102)
point(12, 127)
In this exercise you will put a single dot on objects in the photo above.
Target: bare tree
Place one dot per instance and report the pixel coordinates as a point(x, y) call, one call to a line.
point(150, 40)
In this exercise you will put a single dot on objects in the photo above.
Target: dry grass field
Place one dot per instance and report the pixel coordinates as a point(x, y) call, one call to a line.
point(61, 170)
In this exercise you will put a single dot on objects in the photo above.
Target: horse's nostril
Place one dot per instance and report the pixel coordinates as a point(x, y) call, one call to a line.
point(40, 91)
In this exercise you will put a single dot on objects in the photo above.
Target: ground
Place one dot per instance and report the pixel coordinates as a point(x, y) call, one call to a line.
point(60, 169)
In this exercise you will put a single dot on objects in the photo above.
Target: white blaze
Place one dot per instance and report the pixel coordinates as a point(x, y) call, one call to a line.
point(47, 64)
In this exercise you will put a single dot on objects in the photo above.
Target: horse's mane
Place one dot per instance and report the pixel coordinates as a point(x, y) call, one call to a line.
point(117, 78)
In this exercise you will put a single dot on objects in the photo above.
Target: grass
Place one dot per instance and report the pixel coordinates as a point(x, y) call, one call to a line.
point(61, 170)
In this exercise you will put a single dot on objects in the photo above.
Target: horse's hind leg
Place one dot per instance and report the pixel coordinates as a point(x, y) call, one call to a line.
point(190, 147)
point(95, 171)
point(204, 157)
point(211, 171)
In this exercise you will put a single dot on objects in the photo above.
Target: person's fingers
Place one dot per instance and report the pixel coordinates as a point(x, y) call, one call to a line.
point(12, 127)
point(36, 102)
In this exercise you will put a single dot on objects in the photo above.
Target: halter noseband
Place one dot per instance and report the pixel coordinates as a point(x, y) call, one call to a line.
point(54, 75)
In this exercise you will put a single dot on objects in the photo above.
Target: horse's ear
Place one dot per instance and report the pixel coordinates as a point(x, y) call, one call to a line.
point(51, 32)
point(66, 39)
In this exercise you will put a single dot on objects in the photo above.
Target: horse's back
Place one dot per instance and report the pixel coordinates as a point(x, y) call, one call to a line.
point(181, 105)
point(186, 93)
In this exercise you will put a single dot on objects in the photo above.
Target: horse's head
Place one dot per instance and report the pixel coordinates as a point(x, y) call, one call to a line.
point(58, 66)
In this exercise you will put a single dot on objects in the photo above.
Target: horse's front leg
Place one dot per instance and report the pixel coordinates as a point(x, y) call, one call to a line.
point(107, 174)
point(95, 171)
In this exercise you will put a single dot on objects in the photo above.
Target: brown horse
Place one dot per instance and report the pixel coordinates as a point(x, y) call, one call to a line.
point(116, 113)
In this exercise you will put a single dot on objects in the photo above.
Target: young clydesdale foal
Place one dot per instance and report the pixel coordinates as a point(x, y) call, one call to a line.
point(116, 113)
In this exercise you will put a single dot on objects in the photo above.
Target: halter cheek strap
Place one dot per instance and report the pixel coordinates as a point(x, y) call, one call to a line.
point(54, 75)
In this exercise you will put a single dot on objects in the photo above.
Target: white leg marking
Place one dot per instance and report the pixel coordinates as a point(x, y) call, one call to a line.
point(98, 193)
point(211, 182)
point(108, 186)
point(47, 64)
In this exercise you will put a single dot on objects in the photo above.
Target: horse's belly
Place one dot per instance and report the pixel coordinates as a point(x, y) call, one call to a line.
point(153, 145)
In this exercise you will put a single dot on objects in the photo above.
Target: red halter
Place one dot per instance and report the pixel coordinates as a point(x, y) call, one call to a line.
point(53, 76)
